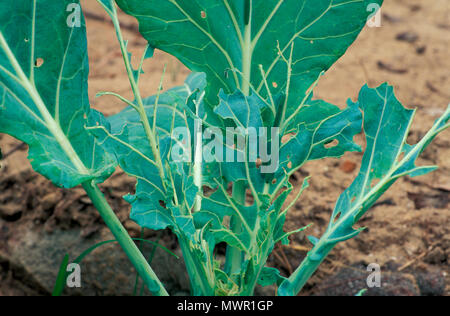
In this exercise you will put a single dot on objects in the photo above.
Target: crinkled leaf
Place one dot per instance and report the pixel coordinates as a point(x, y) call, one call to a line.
point(312, 113)
point(270, 276)
point(244, 111)
point(315, 140)
point(220, 206)
point(323, 130)
point(127, 140)
point(160, 203)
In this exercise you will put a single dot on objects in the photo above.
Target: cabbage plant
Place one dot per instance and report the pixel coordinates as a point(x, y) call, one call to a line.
point(212, 158)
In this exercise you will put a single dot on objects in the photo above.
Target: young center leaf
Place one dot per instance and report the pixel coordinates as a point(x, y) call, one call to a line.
point(127, 140)
point(293, 40)
point(168, 202)
point(158, 203)
point(322, 130)
point(43, 89)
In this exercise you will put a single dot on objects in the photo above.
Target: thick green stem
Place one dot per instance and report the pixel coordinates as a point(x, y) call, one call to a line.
point(202, 280)
point(121, 235)
point(307, 268)
point(234, 256)
point(247, 49)
point(198, 162)
point(249, 287)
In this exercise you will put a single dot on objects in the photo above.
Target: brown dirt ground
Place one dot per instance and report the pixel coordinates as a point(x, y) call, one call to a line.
point(409, 227)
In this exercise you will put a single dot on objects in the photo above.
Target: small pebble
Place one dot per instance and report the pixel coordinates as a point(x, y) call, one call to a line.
point(409, 37)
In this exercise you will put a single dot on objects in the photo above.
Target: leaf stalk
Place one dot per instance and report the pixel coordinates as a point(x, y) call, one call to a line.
point(132, 251)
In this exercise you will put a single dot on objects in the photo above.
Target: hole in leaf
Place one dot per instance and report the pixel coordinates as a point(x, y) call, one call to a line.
point(401, 156)
point(207, 191)
point(258, 163)
point(289, 165)
point(229, 188)
point(373, 183)
point(162, 204)
point(336, 218)
point(274, 181)
point(39, 62)
point(249, 198)
point(331, 144)
point(221, 248)
point(226, 221)
point(353, 199)
point(287, 138)
point(275, 85)
point(203, 14)
point(293, 178)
